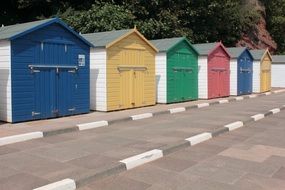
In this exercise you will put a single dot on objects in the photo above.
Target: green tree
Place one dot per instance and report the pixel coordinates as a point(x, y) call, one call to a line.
point(275, 18)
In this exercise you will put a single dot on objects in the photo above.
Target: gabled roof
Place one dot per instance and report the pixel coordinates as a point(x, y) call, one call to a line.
point(235, 52)
point(166, 44)
point(258, 54)
point(278, 59)
point(208, 48)
point(107, 39)
point(15, 31)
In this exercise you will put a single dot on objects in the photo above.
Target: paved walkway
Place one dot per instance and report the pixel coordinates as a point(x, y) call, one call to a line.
point(251, 158)
point(34, 163)
point(7, 129)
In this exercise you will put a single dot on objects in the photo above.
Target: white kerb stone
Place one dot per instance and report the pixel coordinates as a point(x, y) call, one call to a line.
point(141, 116)
point(177, 110)
point(20, 138)
point(257, 117)
point(199, 138)
point(92, 125)
point(203, 105)
point(66, 184)
point(234, 125)
point(143, 158)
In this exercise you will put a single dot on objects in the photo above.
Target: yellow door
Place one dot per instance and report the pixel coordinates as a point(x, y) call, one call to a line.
point(132, 74)
point(265, 80)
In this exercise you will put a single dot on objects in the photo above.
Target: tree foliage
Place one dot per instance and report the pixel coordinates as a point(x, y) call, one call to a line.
point(275, 18)
point(200, 21)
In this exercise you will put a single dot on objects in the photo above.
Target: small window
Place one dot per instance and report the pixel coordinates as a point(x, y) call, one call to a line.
point(81, 60)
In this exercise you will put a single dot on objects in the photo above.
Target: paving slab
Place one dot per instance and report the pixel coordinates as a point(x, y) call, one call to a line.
point(88, 153)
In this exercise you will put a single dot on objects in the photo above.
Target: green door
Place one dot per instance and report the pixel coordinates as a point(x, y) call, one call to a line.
point(182, 75)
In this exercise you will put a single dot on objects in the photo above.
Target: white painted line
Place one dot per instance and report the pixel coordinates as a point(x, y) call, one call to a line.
point(141, 116)
point(276, 110)
point(252, 96)
point(143, 158)
point(203, 105)
point(239, 98)
point(267, 93)
point(66, 184)
point(92, 125)
point(20, 138)
point(234, 125)
point(223, 101)
point(257, 117)
point(199, 138)
point(177, 110)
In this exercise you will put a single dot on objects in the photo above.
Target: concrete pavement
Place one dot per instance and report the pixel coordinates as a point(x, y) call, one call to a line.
point(251, 158)
point(34, 163)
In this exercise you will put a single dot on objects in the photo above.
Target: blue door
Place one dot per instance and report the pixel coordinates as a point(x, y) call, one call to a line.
point(244, 76)
point(54, 79)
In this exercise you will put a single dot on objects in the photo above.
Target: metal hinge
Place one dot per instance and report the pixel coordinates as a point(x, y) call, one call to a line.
point(72, 109)
point(35, 113)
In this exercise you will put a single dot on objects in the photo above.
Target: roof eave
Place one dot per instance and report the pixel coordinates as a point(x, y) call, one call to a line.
point(129, 33)
point(54, 20)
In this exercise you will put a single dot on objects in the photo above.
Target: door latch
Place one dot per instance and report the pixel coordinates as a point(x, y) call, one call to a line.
point(71, 109)
point(35, 113)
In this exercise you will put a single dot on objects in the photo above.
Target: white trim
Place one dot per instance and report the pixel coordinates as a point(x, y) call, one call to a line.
point(256, 77)
point(5, 81)
point(203, 77)
point(233, 77)
point(161, 77)
point(98, 79)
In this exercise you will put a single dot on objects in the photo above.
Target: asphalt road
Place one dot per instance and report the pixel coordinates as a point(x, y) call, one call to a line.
point(32, 164)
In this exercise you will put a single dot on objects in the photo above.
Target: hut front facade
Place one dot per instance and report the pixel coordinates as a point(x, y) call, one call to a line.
point(176, 70)
point(214, 70)
point(44, 71)
point(278, 71)
point(261, 70)
point(122, 70)
point(241, 71)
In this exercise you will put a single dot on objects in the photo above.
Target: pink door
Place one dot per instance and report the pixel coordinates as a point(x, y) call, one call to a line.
point(218, 74)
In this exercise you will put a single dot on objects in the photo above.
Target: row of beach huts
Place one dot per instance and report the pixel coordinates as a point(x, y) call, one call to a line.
point(48, 70)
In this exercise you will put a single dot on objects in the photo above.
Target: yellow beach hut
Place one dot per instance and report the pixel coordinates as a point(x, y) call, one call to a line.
point(122, 70)
point(261, 70)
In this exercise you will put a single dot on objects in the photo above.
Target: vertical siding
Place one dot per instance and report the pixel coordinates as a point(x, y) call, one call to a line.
point(278, 79)
point(203, 77)
point(25, 52)
point(5, 81)
point(98, 82)
point(233, 77)
point(115, 59)
point(161, 77)
point(256, 77)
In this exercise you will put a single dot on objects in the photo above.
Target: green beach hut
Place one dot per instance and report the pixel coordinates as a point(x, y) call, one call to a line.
point(176, 66)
